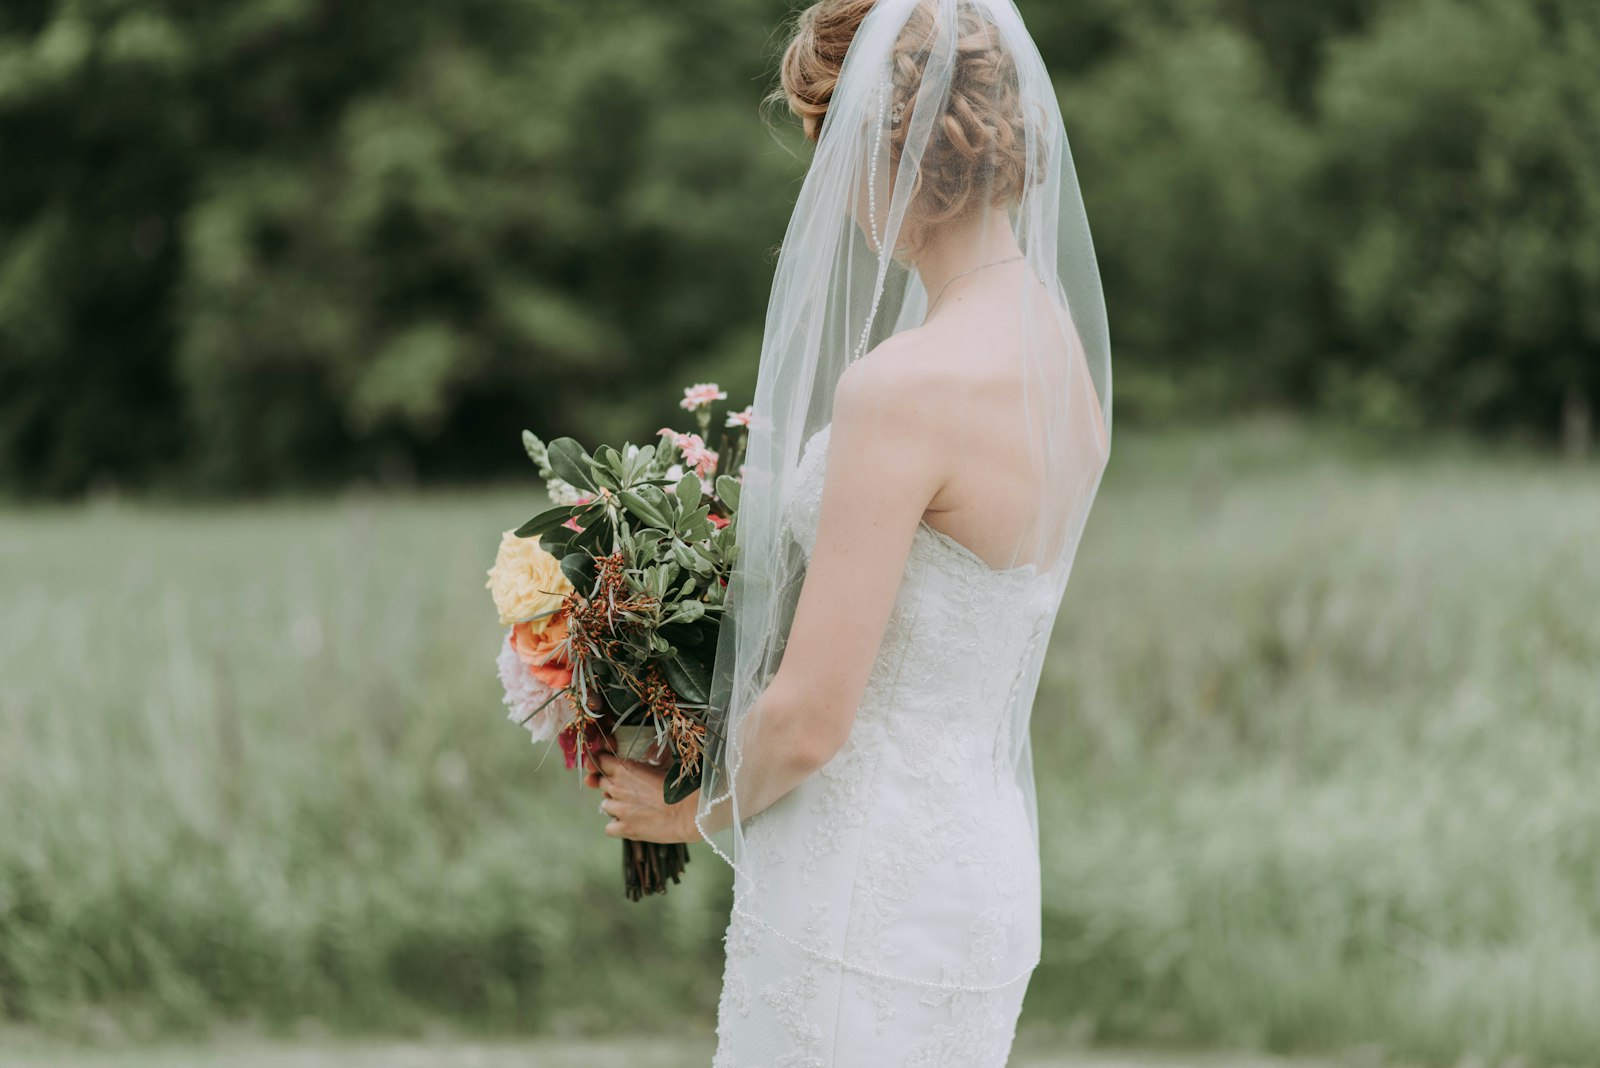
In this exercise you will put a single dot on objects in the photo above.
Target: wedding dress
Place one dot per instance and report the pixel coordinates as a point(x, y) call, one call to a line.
point(886, 908)
point(907, 854)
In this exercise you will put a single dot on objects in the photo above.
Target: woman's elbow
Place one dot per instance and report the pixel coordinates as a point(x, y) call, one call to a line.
point(816, 748)
point(813, 730)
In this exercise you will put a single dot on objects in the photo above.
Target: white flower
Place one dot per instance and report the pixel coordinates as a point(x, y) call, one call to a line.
point(675, 473)
point(700, 395)
point(564, 493)
point(524, 695)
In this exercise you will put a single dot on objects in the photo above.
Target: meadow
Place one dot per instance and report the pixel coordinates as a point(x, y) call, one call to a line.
point(1316, 755)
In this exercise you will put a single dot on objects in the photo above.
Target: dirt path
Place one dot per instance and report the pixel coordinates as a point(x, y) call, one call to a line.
point(547, 1054)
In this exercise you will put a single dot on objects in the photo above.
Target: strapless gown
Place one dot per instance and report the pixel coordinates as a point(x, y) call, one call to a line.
point(896, 917)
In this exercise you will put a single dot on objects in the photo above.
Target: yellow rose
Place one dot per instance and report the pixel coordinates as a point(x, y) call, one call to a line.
point(526, 581)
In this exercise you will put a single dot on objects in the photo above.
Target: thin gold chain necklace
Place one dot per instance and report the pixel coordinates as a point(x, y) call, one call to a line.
point(973, 270)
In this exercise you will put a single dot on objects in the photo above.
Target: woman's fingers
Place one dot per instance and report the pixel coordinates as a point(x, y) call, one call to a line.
point(617, 825)
point(605, 766)
point(631, 797)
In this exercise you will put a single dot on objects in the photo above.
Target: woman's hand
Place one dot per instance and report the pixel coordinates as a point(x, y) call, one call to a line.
point(632, 798)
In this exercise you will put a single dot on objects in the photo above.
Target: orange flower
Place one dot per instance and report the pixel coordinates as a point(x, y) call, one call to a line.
point(541, 650)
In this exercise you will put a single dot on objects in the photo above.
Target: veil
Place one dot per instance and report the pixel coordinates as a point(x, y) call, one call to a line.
point(942, 114)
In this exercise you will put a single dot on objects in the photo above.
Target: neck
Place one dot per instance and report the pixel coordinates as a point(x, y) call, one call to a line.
point(960, 246)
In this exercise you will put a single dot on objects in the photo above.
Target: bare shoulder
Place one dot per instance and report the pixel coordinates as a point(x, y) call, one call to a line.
point(908, 382)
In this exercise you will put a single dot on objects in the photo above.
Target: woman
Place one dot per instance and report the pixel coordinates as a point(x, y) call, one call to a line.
point(932, 422)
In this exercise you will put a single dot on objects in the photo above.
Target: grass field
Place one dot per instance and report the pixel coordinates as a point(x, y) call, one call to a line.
point(1316, 753)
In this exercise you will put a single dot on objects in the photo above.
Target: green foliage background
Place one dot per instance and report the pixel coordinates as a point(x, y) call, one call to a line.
point(266, 243)
point(1318, 733)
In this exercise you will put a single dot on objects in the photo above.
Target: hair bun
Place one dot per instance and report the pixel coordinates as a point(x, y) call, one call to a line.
point(976, 154)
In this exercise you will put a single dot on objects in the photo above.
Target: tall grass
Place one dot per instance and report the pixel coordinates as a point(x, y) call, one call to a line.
point(1315, 754)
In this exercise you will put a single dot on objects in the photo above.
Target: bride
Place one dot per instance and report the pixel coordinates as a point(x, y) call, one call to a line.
point(932, 420)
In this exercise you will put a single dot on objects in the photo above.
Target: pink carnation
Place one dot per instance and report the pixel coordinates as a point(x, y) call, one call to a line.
point(702, 459)
point(701, 395)
point(695, 453)
point(744, 418)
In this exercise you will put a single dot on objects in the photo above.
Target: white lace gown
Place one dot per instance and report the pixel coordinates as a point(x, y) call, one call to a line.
point(896, 921)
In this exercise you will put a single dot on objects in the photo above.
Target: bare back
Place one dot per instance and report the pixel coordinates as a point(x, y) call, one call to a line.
point(1004, 475)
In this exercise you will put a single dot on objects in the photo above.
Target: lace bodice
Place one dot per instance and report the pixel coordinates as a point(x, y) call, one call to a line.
point(951, 603)
point(904, 874)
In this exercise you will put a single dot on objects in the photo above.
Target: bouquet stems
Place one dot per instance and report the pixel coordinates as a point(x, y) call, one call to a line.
point(647, 867)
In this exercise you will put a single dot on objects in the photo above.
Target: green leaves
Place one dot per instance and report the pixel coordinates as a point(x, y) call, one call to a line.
point(690, 558)
point(656, 579)
point(579, 570)
point(545, 522)
point(649, 504)
point(680, 513)
point(571, 464)
point(689, 677)
point(688, 492)
point(687, 612)
point(679, 785)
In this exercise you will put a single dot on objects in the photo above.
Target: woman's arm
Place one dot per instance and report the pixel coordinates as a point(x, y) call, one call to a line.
point(883, 468)
point(885, 464)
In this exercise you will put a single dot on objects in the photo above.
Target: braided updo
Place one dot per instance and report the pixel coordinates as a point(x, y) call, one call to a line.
point(976, 155)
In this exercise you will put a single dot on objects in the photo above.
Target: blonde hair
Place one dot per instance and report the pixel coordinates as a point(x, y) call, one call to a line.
point(976, 155)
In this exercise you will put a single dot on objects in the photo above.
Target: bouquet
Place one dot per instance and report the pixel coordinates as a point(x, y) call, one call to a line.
point(613, 599)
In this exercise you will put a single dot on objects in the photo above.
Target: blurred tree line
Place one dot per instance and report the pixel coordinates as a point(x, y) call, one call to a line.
point(259, 243)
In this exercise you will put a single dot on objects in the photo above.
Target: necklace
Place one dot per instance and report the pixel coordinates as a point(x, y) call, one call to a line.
point(973, 270)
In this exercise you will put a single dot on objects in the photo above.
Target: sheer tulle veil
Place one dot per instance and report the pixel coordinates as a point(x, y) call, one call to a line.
point(942, 108)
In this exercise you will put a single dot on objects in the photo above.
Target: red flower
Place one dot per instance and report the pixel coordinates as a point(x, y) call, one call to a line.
point(568, 737)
